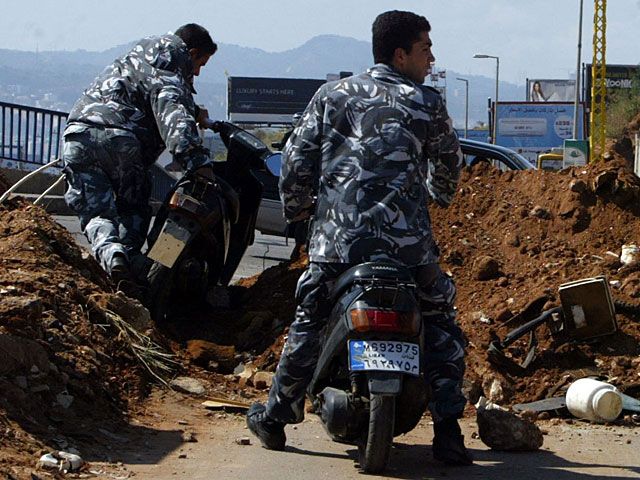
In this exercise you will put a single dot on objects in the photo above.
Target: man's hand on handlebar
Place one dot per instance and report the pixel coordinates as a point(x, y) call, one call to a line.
point(210, 124)
point(205, 172)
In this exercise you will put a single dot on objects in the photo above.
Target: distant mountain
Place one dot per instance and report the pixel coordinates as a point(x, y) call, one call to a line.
point(55, 79)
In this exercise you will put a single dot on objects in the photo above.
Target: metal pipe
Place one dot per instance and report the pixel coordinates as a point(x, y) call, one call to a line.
point(27, 177)
point(46, 192)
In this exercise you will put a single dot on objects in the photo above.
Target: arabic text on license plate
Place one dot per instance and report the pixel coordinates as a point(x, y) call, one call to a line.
point(384, 355)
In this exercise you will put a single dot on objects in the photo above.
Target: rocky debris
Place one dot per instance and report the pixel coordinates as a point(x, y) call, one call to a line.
point(129, 309)
point(486, 268)
point(262, 380)
point(243, 441)
point(188, 437)
point(202, 352)
point(508, 432)
point(188, 385)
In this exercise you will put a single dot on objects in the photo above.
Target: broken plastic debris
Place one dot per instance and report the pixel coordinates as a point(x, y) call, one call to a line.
point(48, 461)
point(484, 404)
point(63, 461)
point(218, 403)
point(630, 254)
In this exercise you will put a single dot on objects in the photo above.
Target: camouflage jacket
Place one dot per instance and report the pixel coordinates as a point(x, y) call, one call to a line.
point(374, 148)
point(147, 92)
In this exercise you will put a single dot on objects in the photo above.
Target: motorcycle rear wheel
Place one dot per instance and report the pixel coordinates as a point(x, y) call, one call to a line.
point(375, 447)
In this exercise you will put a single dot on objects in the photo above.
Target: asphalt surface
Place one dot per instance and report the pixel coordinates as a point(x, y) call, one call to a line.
point(266, 251)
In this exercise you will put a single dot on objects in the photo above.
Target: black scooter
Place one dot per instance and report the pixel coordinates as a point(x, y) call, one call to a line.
point(369, 386)
point(205, 225)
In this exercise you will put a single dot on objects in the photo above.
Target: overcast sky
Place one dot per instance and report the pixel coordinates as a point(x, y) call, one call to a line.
point(532, 38)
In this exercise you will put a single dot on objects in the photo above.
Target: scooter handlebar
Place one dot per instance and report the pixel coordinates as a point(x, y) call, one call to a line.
point(216, 126)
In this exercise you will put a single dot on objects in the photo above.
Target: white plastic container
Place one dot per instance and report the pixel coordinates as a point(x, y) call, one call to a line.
point(594, 400)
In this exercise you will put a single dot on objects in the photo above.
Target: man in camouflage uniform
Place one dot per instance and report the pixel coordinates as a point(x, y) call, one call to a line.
point(137, 107)
point(375, 148)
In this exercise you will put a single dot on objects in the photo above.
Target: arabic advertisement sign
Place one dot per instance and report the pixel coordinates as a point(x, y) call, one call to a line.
point(539, 90)
point(618, 78)
point(532, 128)
point(268, 100)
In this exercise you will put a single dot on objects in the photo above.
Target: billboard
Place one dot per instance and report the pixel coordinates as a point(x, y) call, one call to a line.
point(477, 135)
point(268, 100)
point(541, 90)
point(618, 78)
point(532, 128)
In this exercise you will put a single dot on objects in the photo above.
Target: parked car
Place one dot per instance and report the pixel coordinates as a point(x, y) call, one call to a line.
point(271, 222)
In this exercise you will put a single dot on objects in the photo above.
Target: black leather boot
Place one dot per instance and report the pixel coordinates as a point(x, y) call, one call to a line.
point(448, 443)
point(269, 432)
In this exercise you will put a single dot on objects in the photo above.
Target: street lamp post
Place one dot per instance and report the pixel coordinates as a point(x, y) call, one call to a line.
point(576, 100)
point(495, 113)
point(466, 105)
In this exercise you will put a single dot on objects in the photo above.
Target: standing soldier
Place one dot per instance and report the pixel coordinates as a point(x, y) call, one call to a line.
point(374, 148)
point(137, 107)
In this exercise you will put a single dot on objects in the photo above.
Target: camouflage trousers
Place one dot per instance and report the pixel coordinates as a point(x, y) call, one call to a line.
point(444, 350)
point(108, 187)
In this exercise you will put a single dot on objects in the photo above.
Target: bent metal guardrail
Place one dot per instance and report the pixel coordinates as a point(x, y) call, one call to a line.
point(34, 136)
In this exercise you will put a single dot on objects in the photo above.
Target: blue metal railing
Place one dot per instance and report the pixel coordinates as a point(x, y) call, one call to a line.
point(30, 134)
point(34, 135)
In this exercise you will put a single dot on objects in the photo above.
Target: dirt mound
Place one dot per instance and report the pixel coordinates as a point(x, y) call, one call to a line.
point(542, 229)
point(66, 372)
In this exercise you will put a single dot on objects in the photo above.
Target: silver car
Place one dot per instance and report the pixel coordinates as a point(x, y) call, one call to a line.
point(271, 221)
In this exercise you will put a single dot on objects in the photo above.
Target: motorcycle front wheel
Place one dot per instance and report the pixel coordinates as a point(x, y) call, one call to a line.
point(160, 283)
point(375, 447)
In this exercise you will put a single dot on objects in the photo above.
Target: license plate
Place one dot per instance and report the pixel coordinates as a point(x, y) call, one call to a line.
point(385, 355)
point(170, 243)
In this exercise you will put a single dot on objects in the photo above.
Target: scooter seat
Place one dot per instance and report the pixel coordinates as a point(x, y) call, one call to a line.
point(370, 271)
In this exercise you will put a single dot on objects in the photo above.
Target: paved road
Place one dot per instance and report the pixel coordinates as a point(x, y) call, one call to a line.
point(156, 451)
point(266, 251)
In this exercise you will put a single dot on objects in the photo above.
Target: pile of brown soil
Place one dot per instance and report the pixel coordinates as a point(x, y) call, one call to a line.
point(541, 229)
point(66, 374)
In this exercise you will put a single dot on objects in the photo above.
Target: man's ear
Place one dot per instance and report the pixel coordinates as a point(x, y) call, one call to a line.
point(399, 56)
point(194, 52)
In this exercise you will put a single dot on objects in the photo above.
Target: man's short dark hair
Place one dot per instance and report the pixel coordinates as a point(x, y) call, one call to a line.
point(196, 36)
point(396, 29)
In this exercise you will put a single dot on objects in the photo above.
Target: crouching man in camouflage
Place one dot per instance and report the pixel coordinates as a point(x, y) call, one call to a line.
point(374, 148)
point(135, 108)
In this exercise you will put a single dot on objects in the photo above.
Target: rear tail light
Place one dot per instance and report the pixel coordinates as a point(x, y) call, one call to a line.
point(181, 201)
point(371, 320)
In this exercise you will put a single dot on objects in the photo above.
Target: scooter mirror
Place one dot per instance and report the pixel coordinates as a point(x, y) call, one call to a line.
point(273, 164)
